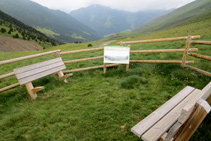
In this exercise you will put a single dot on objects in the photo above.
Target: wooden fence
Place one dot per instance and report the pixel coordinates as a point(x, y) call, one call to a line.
point(57, 53)
point(201, 57)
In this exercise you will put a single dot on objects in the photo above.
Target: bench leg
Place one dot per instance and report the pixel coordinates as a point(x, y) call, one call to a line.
point(62, 76)
point(30, 88)
point(200, 112)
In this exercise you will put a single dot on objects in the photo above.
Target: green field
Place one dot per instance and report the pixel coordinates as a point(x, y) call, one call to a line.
point(98, 106)
point(93, 105)
point(47, 32)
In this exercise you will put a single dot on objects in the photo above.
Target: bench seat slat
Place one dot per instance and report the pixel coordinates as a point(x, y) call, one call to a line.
point(38, 70)
point(155, 132)
point(144, 125)
point(40, 75)
point(37, 65)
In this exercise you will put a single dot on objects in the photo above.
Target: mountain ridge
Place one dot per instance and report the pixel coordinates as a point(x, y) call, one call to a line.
point(67, 28)
point(105, 20)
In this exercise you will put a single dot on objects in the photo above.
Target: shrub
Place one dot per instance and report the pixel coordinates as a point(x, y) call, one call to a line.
point(89, 45)
point(3, 30)
point(16, 36)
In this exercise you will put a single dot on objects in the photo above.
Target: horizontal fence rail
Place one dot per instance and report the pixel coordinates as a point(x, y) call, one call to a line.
point(9, 87)
point(89, 68)
point(200, 56)
point(160, 61)
point(162, 50)
point(201, 42)
point(7, 75)
point(57, 53)
point(84, 50)
point(199, 70)
point(27, 57)
point(158, 40)
point(85, 59)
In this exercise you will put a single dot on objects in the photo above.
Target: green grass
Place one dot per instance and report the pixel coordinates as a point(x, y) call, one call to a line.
point(47, 32)
point(97, 106)
point(93, 105)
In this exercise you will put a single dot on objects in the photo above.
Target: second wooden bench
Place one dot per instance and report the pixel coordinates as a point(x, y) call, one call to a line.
point(178, 118)
point(27, 74)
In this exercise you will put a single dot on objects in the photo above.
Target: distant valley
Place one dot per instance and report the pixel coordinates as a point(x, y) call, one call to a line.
point(105, 20)
point(54, 23)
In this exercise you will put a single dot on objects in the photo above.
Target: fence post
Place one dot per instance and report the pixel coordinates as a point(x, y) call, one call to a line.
point(104, 68)
point(184, 58)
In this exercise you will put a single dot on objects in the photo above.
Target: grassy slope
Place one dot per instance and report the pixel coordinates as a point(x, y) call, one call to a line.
point(94, 106)
point(198, 10)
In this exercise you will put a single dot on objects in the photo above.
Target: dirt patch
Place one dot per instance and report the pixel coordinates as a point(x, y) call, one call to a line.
point(106, 43)
point(8, 44)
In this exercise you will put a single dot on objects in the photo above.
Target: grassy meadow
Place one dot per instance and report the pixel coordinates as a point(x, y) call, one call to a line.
point(94, 105)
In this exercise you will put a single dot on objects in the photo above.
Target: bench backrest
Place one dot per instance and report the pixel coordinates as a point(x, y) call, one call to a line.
point(158, 122)
point(32, 72)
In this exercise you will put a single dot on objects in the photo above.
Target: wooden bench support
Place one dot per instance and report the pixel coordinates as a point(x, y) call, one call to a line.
point(30, 88)
point(27, 74)
point(201, 111)
point(180, 116)
point(66, 76)
point(37, 89)
point(144, 125)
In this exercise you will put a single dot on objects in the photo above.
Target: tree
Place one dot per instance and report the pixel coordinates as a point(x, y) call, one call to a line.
point(16, 36)
point(89, 45)
point(3, 30)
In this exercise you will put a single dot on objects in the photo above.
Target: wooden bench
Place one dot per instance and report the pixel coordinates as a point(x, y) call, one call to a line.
point(27, 74)
point(178, 118)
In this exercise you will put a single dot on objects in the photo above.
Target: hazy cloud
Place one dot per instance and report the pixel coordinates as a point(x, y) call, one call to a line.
point(127, 5)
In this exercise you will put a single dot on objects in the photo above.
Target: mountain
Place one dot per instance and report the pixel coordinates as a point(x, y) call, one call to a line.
point(12, 27)
point(105, 20)
point(54, 23)
point(197, 12)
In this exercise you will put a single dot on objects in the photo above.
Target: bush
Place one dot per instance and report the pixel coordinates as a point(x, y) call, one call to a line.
point(89, 45)
point(3, 30)
point(16, 36)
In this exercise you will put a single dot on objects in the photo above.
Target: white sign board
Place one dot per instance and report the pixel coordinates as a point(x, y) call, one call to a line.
point(116, 54)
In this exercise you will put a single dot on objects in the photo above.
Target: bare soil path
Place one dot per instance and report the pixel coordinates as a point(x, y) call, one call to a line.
point(106, 43)
point(8, 44)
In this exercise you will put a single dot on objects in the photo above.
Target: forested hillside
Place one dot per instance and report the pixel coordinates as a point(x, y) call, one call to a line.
point(12, 27)
point(54, 23)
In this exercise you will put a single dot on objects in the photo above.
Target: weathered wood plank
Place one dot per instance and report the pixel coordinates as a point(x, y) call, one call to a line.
point(144, 125)
point(168, 120)
point(202, 109)
point(40, 75)
point(39, 69)
point(37, 65)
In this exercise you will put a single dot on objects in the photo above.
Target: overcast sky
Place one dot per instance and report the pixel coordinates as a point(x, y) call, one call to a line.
point(127, 5)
